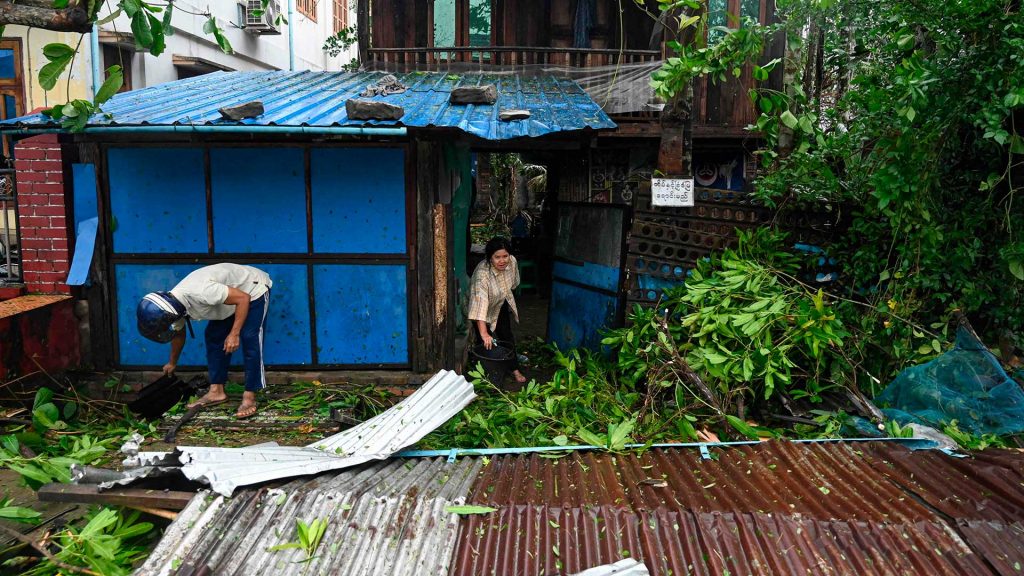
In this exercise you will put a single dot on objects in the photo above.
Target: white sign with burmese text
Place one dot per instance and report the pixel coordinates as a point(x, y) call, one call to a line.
point(674, 192)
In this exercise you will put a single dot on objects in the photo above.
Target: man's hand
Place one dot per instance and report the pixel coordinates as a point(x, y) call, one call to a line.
point(488, 342)
point(169, 368)
point(231, 343)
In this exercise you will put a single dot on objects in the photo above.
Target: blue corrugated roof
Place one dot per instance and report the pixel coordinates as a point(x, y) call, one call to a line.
point(317, 99)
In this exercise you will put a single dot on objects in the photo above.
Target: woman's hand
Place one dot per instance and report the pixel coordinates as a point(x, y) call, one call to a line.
point(488, 341)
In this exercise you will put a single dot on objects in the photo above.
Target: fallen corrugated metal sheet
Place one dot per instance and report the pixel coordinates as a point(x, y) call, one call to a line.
point(317, 99)
point(383, 518)
point(771, 508)
point(404, 424)
point(627, 567)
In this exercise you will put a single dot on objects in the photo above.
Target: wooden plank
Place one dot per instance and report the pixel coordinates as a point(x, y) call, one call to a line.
point(428, 159)
point(90, 494)
point(99, 292)
point(441, 340)
point(363, 30)
point(384, 25)
point(422, 11)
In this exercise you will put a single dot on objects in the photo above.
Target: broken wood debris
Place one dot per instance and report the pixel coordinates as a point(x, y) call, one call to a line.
point(91, 494)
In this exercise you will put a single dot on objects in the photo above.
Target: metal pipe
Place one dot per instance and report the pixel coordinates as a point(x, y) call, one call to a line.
point(291, 35)
point(453, 453)
point(94, 57)
point(233, 129)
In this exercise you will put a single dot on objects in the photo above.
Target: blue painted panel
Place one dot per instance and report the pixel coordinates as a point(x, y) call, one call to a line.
point(158, 199)
point(85, 248)
point(286, 338)
point(577, 316)
point(85, 191)
point(588, 273)
point(358, 200)
point(11, 106)
point(259, 200)
point(7, 64)
point(135, 281)
point(361, 314)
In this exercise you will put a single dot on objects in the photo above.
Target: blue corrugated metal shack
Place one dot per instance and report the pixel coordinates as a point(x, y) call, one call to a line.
point(352, 219)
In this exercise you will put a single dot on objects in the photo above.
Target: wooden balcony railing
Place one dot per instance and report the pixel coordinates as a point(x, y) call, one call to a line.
point(444, 58)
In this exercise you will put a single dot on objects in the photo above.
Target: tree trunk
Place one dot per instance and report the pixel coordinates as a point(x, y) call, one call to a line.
point(790, 77)
point(675, 154)
point(41, 14)
point(363, 31)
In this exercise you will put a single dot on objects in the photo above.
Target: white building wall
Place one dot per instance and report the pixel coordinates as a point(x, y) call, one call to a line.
point(251, 51)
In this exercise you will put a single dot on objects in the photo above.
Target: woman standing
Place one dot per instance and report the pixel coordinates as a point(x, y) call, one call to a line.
point(492, 306)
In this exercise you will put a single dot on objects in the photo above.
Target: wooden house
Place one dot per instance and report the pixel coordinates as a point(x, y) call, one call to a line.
point(611, 248)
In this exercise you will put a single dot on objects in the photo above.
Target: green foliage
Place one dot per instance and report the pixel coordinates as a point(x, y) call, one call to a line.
point(748, 323)
point(925, 144)
point(894, 430)
point(696, 57)
point(745, 325)
point(581, 397)
point(909, 124)
point(58, 56)
point(309, 537)
point(109, 543)
point(464, 510)
point(54, 466)
point(968, 441)
point(17, 513)
point(150, 32)
point(45, 414)
point(340, 41)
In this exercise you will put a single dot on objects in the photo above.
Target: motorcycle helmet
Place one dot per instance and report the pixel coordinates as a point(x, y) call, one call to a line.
point(160, 316)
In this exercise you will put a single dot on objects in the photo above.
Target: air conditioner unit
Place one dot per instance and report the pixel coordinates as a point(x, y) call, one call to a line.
point(260, 20)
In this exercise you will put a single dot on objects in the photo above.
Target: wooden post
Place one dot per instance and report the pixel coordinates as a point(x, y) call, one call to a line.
point(675, 155)
point(435, 340)
point(363, 31)
point(98, 293)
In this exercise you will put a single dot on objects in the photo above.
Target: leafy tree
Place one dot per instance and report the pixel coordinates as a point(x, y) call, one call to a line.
point(906, 117)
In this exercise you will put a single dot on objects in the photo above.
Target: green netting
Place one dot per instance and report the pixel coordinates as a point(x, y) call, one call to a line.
point(966, 384)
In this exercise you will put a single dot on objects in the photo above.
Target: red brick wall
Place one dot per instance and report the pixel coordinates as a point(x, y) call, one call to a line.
point(42, 214)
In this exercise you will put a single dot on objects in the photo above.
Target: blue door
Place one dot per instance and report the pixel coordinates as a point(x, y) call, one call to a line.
point(585, 292)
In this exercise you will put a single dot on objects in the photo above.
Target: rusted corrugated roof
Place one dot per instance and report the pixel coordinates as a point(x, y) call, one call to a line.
point(771, 508)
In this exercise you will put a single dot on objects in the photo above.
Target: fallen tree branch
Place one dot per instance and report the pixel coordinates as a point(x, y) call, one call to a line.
point(42, 550)
point(688, 373)
point(74, 18)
